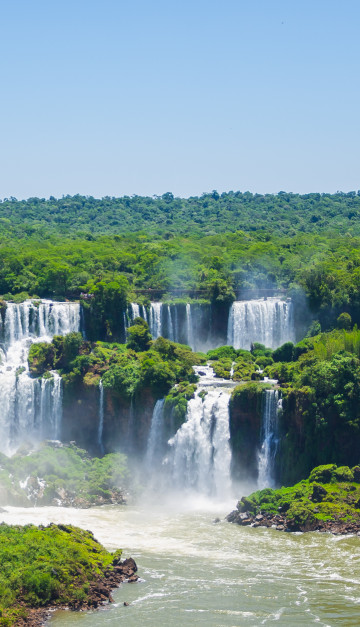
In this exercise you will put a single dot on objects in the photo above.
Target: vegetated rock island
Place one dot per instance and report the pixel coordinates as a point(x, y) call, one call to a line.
point(329, 500)
point(58, 566)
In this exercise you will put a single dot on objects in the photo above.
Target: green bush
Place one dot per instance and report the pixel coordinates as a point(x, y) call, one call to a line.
point(284, 352)
point(344, 321)
point(343, 473)
point(139, 337)
point(41, 357)
point(323, 474)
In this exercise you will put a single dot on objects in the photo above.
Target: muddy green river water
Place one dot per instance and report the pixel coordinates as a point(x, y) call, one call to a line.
point(196, 572)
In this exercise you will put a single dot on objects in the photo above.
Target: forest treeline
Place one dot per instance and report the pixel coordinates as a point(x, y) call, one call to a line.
point(282, 213)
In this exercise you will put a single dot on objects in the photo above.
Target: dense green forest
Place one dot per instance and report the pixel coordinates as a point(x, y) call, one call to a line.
point(216, 268)
point(283, 213)
point(214, 247)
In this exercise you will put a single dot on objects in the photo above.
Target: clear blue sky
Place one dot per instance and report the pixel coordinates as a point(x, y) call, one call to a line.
point(117, 97)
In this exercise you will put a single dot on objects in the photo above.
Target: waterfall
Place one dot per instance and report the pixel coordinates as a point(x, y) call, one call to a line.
point(155, 320)
point(268, 322)
point(154, 444)
point(135, 311)
point(266, 458)
point(189, 327)
point(200, 453)
point(31, 408)
point(176, 331)
point(171, 335)
point(101, 416)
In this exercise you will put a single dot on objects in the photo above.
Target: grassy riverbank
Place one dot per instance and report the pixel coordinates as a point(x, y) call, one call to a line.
point(54, 566)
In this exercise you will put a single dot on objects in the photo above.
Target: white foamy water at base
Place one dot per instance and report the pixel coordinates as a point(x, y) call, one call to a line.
point(30, 409)
point(195, 572)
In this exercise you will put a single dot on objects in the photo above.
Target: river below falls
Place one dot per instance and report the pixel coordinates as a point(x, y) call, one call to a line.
point(196, 572)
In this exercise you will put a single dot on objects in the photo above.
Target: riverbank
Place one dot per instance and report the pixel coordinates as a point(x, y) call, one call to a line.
point(281, 523)
point(58, 566)
point(328, 501)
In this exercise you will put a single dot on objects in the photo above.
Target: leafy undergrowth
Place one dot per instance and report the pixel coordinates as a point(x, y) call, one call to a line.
point(330, 494)
point(246, 365)
point(42, 566)
point(125, 369)
point(56, 474)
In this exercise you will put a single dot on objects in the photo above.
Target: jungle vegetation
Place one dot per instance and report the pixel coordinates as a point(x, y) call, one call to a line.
point(216, 247)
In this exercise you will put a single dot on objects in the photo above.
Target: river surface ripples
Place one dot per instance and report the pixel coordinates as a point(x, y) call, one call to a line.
point(196, 572)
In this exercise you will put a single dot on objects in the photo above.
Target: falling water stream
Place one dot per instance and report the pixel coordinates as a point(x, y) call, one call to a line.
point(268, 321)
point(101, 416)
point(266, 458)
point(31, 409)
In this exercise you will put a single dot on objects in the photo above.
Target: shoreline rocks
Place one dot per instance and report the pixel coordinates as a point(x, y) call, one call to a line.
point(100, 593)
point(281, 523)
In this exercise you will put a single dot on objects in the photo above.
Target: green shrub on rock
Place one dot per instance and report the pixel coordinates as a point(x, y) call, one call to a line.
point(323, 474)
point(41, 357)
point(328, 497)
point(343, 473)
point(139, 337)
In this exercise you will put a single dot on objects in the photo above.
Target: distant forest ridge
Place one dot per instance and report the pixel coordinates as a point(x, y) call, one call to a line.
point(283, 213)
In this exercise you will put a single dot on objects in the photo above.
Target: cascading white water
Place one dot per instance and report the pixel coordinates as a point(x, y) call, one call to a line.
point(101, 416)
point(189, 327)
point(135, 311)
point(155, 320)
point(266, 458)
point(176, 325)
point(171, 335)
point(200, 453)
point(154, 444)
point(31, 408)
point(269, 322)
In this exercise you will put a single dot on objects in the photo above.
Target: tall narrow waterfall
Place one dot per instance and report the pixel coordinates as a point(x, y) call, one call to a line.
point(271, 407)
point(154, 449)
point(31, 408)
point(268, 322)
point(155, 320)
point(101, 416)
point(189, 326)
point(200, 454)
point(171, 333)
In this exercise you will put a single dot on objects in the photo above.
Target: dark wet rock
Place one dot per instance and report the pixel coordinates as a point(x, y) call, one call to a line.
point(318, 493)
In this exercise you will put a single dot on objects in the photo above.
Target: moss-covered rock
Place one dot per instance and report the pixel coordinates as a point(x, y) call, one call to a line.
point(323, 474)
point(329, 500)
point(54, 566)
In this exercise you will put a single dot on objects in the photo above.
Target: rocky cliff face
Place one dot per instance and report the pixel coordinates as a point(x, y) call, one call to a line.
point(126, 423)
point(245, 430)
